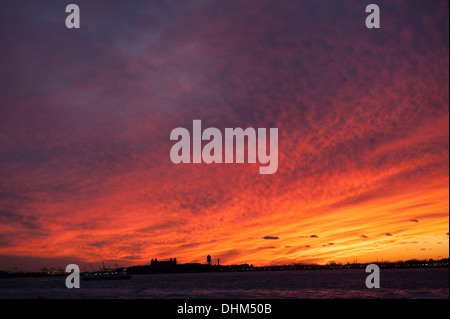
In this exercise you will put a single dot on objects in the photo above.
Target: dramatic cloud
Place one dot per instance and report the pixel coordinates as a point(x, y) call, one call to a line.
point(86, 116)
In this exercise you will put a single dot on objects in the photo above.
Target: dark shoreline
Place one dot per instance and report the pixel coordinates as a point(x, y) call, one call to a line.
point(206, 268)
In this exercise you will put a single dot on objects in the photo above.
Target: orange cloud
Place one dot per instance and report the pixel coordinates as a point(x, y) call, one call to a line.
point(362, 118)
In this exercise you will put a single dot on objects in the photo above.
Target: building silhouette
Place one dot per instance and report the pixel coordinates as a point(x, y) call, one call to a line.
point(163, 266)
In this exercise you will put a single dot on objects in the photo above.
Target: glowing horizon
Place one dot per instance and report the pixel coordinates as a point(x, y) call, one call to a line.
point(86, 116)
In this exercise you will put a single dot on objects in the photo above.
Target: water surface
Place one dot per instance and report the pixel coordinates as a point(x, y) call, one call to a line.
point(348, 283)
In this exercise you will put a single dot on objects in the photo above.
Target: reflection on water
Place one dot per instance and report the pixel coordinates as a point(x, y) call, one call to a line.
point(405, 283)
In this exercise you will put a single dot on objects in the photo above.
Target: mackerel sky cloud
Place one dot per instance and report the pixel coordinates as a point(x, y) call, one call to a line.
point(86, 116)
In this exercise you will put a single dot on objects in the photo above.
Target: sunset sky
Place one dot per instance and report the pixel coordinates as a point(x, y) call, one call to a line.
point(86, 116)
